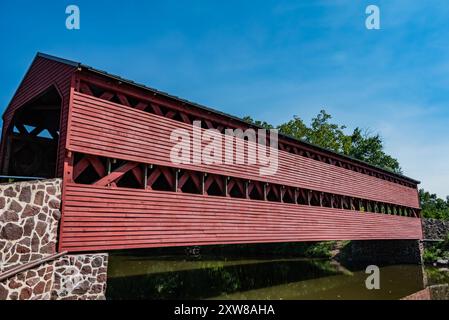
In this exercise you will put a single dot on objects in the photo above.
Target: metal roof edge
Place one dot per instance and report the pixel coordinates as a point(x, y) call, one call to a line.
point(57, 59)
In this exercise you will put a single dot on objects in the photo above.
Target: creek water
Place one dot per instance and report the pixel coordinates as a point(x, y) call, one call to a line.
point(139, 276)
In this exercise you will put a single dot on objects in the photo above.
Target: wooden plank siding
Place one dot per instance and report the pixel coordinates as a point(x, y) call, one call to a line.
point(42, 74)
point(104, 128)
point(102, 218)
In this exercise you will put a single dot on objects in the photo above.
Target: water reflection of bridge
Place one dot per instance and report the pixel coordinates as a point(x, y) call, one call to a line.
point(153, 278)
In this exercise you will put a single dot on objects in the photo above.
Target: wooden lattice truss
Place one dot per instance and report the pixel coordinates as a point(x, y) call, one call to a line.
point(104, 172)
point(154, 104)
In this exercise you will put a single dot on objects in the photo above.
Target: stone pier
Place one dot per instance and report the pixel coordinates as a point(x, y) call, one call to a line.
point(29, 220)
point(435, 230)
point(382, 252)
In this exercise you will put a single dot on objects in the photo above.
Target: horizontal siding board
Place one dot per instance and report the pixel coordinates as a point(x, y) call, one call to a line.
point(107, 129)
point(133, 141)
point(99, 218)
point(222, 119)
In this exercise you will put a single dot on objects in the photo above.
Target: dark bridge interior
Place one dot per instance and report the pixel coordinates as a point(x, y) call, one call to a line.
point(32, 138)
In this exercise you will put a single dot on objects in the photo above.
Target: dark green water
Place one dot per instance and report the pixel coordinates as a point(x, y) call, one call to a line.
point(178, 277)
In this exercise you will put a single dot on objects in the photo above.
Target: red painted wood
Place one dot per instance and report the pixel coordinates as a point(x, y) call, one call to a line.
point(107, 129)
point(101, 218)
point(155, 98)
point(42, 74)
point(98, 217)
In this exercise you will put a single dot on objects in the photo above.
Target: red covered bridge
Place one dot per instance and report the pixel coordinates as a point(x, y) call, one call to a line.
point(109, 139)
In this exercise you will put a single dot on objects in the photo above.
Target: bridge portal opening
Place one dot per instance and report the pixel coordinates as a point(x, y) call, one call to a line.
point(33, 136)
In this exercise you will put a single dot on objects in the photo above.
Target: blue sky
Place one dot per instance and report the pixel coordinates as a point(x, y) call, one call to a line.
point(267, 59)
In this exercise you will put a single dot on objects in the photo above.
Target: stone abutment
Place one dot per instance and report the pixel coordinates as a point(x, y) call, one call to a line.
point(30, 213)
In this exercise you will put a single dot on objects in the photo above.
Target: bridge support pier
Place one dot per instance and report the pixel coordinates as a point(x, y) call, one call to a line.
point(382, 252)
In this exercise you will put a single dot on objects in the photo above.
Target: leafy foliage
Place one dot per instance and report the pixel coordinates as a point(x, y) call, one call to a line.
point(322, 132)
point(320, 249)
point(369, 148)
point(262, 124)
point(437, 251)
point(433, 207)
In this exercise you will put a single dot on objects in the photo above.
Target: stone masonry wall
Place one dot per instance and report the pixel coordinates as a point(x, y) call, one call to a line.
point(436, 292)
point(435, 229)
point(70, 277)
point(33, 284)
point(29, 220)
point(382, 252)
point(80, 277)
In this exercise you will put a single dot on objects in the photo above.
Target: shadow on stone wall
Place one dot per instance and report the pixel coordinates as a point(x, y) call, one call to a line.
point(380, 252)
point(435, 229)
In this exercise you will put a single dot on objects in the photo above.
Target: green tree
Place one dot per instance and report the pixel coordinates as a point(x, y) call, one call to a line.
point(326, 134)
point(262, 124)
point(295, 128)
point(432, 206)
point(369, 148)
point(322, 132)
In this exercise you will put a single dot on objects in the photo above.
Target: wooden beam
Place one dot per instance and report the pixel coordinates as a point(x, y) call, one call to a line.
point(116, 174)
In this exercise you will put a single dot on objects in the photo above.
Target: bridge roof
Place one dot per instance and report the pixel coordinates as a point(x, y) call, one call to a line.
point(215, 111)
